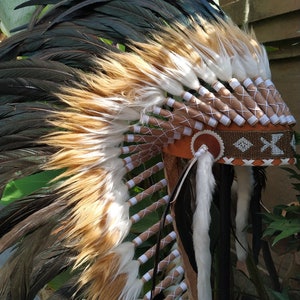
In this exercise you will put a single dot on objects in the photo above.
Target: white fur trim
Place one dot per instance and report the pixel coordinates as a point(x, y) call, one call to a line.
point(201, 222)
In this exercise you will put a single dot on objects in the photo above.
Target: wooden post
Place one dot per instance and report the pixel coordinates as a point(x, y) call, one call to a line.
point(225, 224)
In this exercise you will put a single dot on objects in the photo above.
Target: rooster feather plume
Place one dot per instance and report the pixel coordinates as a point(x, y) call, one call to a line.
point(116, 128)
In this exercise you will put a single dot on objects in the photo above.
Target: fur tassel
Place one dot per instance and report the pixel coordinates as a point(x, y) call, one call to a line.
point(244, 193)
point(205, 183)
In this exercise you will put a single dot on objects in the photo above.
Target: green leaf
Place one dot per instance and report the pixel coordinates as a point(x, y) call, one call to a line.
point(20, 188)
point(293, 173)
point(60, 279)
point(295, 209)
point(296, 186)
point(297, 138)
point(293, 229)
point(106, 41)
point(255, 277)
point(271, 49)
point(147, 222)
point(121, 47)
point(282, 227)
point(280, 296)
point(11, 18)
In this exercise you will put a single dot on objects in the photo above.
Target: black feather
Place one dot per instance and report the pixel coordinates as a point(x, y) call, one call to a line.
point(102, 18)
point(17, 211)
point(34, 89)
point(54, 260)
point(37, 69)
point(183, 200)
point(259, 174)
point(20, 266)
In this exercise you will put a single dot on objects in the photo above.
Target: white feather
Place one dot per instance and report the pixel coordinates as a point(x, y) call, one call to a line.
point(133, 285)
point(126, 253)
point(171, 86)
point(238, 68)
point(219, 63)
point(149, 96)
point(166, 83)
point(249, 63)
point(132, 290)
point(265, 63)
point(130, 268)
point(205, 73)
point(183, 72)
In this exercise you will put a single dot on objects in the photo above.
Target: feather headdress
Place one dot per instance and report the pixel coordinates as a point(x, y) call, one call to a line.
point(197, 90)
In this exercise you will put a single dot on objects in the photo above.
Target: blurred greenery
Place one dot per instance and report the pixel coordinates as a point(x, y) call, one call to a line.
point(11, 18)
point(20, 188)
point(284, 221)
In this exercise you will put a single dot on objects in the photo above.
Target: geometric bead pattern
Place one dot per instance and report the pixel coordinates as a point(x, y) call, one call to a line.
point(243, 144)
point(257, 145)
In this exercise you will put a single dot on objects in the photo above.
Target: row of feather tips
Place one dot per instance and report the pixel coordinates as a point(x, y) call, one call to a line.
point(188, 79)
point(228, 69)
